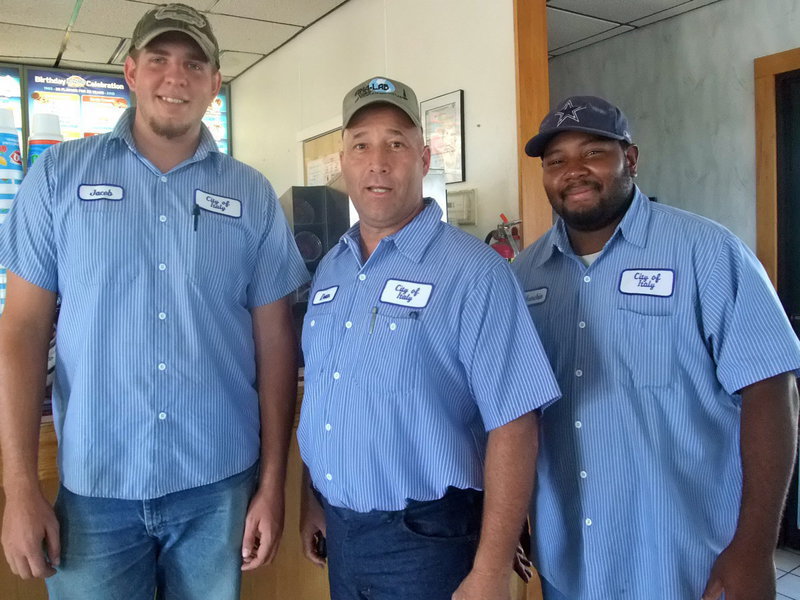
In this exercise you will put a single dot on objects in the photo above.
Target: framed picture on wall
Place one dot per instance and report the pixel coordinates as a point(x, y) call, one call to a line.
point(443, 127)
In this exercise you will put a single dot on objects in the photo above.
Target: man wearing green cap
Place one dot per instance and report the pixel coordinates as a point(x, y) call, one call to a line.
point(176, 355)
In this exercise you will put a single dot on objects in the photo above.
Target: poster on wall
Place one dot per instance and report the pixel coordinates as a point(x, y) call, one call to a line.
point(216, 119)
point(86, 103)
point(10, 94)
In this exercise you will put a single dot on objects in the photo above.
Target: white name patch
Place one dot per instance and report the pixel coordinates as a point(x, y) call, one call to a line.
point(647, 282)
point(533, 297)
point(100, 192)
point(218, 204)
point(324, 296)
point(406, 293)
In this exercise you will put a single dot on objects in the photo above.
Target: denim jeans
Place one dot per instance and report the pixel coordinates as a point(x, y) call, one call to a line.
point(186, 545)
point(424, 551)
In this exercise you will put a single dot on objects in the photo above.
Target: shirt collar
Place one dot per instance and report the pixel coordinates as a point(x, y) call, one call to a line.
point(412, 240)
point(633, 227)
point(123, 132)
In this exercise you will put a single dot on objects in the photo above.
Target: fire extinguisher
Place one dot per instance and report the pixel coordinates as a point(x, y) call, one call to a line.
point(505, 239)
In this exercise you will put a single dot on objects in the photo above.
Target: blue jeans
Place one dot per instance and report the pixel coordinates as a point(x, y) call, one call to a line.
point(186, 545)
point(424, 551)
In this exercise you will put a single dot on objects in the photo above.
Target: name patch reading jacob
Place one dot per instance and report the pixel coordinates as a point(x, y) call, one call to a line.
point(647, 282)
point(326, 295)
point(533, 297)
point(218, 204)
point(100, 192)
point(406, 293)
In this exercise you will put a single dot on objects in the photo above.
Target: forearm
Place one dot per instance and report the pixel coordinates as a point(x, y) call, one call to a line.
point(277, 391)
point(508, 482)
point(23, 370)
point(768, 447)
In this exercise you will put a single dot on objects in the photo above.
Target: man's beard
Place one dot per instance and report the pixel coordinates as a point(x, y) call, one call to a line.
point(169, 130)
point(611, 207)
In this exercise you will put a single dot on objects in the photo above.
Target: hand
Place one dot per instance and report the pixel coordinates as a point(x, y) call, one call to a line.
point(482, 585)
point(29, 526)
point(742, 574)
point(312, 524)
point(263, 527)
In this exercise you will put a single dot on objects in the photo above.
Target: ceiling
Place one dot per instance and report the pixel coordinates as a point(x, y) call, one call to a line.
point(93, 34)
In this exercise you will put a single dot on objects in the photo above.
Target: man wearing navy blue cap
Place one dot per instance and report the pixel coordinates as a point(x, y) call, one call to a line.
point(663, 469)
point(424, 377)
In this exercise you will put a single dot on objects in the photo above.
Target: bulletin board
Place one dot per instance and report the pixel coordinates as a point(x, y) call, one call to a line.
point(321, 158)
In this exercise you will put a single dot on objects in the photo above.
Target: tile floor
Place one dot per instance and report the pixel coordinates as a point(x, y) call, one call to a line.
point(787, 566)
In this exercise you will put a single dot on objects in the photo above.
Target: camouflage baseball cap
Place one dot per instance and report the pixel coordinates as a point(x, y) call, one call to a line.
point(380, 89)
point(176, 17)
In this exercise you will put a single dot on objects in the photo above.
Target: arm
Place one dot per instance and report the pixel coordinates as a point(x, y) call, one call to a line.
point(509, 473)
point(745, 569)
point(312, 521)
point(28, 519)
point(276, 367)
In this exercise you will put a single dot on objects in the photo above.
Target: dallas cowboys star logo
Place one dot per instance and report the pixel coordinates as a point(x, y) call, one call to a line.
point(568, 111)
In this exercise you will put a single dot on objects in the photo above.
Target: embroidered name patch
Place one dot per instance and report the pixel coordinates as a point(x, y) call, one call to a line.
point(218, 204)
point(533, 297)
point(406, 293)
point(647, 282)
point(100, 192)
point(326, 295)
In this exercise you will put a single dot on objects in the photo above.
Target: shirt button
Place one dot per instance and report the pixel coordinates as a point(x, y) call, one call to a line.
point(582, 324)
point(327, 426)
point(162, 367)
point(328, 476)
point(578, 373)
point(362, 277)
point(348, 324)
point(313, 322)
point(393, 326)
point(162, 415)
point(337, 375)
point(587, 279)
point(578, 424)
point(588, 522)
point(162, 315)
point(162, 267)
point(163, 179)
point(583, 474)
point(163, 218)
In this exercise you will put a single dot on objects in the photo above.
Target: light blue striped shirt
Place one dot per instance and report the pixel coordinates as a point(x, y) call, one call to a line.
point(411, 357)
point(639, 473)
point(155, 377)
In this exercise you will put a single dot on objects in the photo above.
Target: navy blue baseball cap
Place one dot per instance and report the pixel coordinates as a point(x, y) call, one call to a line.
point(589, 114)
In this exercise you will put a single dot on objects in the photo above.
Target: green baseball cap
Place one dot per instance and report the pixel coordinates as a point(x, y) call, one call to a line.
point(380, 89)
point(176, 17)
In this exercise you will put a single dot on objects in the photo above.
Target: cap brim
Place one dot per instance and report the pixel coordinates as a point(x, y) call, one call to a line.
point(537, 144)
point(385, 100)
point(142, 42)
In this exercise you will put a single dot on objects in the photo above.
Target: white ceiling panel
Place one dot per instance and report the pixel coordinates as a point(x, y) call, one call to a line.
point(54, 14)
point(247, 35)
point(88, 47)
point(231, 64)
point(620, 11)
point(684, 7)
point(592, 40)
point(565, 28)
point(37, 62)
point(109, 17)
point(25, 42)
point(88, 66)
point(282, 11)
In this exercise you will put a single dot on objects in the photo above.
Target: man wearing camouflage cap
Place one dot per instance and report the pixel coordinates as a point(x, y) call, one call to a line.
point(176, 356)
point(663, 469)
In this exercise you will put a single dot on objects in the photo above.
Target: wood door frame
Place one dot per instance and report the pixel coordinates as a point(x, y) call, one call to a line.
point(766, 71)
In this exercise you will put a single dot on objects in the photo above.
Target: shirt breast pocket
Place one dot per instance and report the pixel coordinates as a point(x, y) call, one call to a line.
point(647, 349)
point(219, 254)
point(106, 238)
point(318, 332)
point(392, 358)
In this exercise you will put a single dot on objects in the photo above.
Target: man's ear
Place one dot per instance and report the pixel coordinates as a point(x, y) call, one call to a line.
point(632, 158)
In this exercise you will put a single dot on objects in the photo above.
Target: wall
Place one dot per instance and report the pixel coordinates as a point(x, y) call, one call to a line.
point(434, 46)
point(686, 84)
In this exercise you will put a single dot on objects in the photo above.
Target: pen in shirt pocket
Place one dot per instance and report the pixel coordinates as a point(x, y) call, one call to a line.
point(196, 214)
